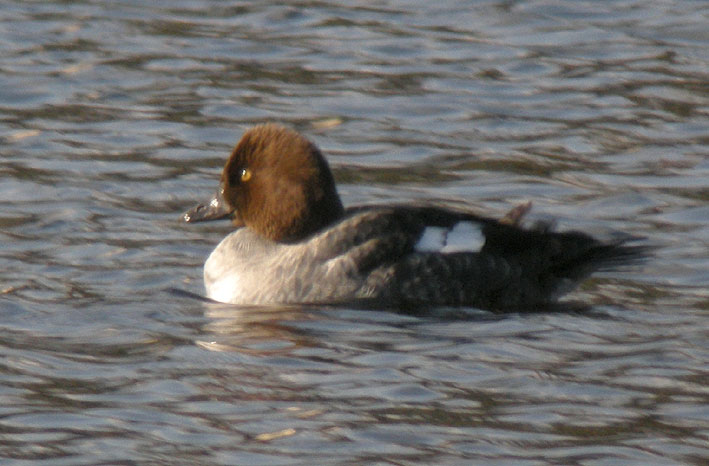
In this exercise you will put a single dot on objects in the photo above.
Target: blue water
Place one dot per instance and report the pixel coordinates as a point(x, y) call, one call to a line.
point(115, 117)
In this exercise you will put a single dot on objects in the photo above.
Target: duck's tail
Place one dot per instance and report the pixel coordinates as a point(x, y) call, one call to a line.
point(554, 263)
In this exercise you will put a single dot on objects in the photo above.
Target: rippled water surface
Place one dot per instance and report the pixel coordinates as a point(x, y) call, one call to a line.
point(117, 116)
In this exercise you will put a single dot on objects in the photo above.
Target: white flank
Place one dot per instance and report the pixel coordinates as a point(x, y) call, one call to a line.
point(223, 289)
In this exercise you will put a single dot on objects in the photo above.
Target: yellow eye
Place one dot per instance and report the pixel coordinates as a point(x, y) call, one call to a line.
point(245, 174)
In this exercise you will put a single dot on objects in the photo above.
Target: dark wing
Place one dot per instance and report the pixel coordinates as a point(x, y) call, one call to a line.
point(556, 261)
point(516, 268)
point(370, 237)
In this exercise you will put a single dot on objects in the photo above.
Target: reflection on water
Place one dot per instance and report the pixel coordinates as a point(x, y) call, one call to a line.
point(255, 330)
point(117, 116)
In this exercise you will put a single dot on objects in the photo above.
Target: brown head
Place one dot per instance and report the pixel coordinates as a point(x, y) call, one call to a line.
point(277, 183)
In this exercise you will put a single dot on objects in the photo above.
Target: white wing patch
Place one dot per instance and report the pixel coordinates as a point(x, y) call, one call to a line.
point(433, 239)
point(463, 237)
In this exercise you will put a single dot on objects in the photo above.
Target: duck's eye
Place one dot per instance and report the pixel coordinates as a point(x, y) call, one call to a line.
point(245, 174)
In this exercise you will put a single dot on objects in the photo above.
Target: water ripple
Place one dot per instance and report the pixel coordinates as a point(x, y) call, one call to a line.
point(116, 117)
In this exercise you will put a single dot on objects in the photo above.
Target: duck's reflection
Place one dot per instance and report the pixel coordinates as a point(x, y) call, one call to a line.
point(256, 330)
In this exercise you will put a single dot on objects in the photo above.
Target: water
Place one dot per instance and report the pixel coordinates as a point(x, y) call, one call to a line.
point(117, 116)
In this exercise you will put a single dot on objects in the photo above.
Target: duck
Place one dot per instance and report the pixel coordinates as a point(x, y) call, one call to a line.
point(295, 243)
